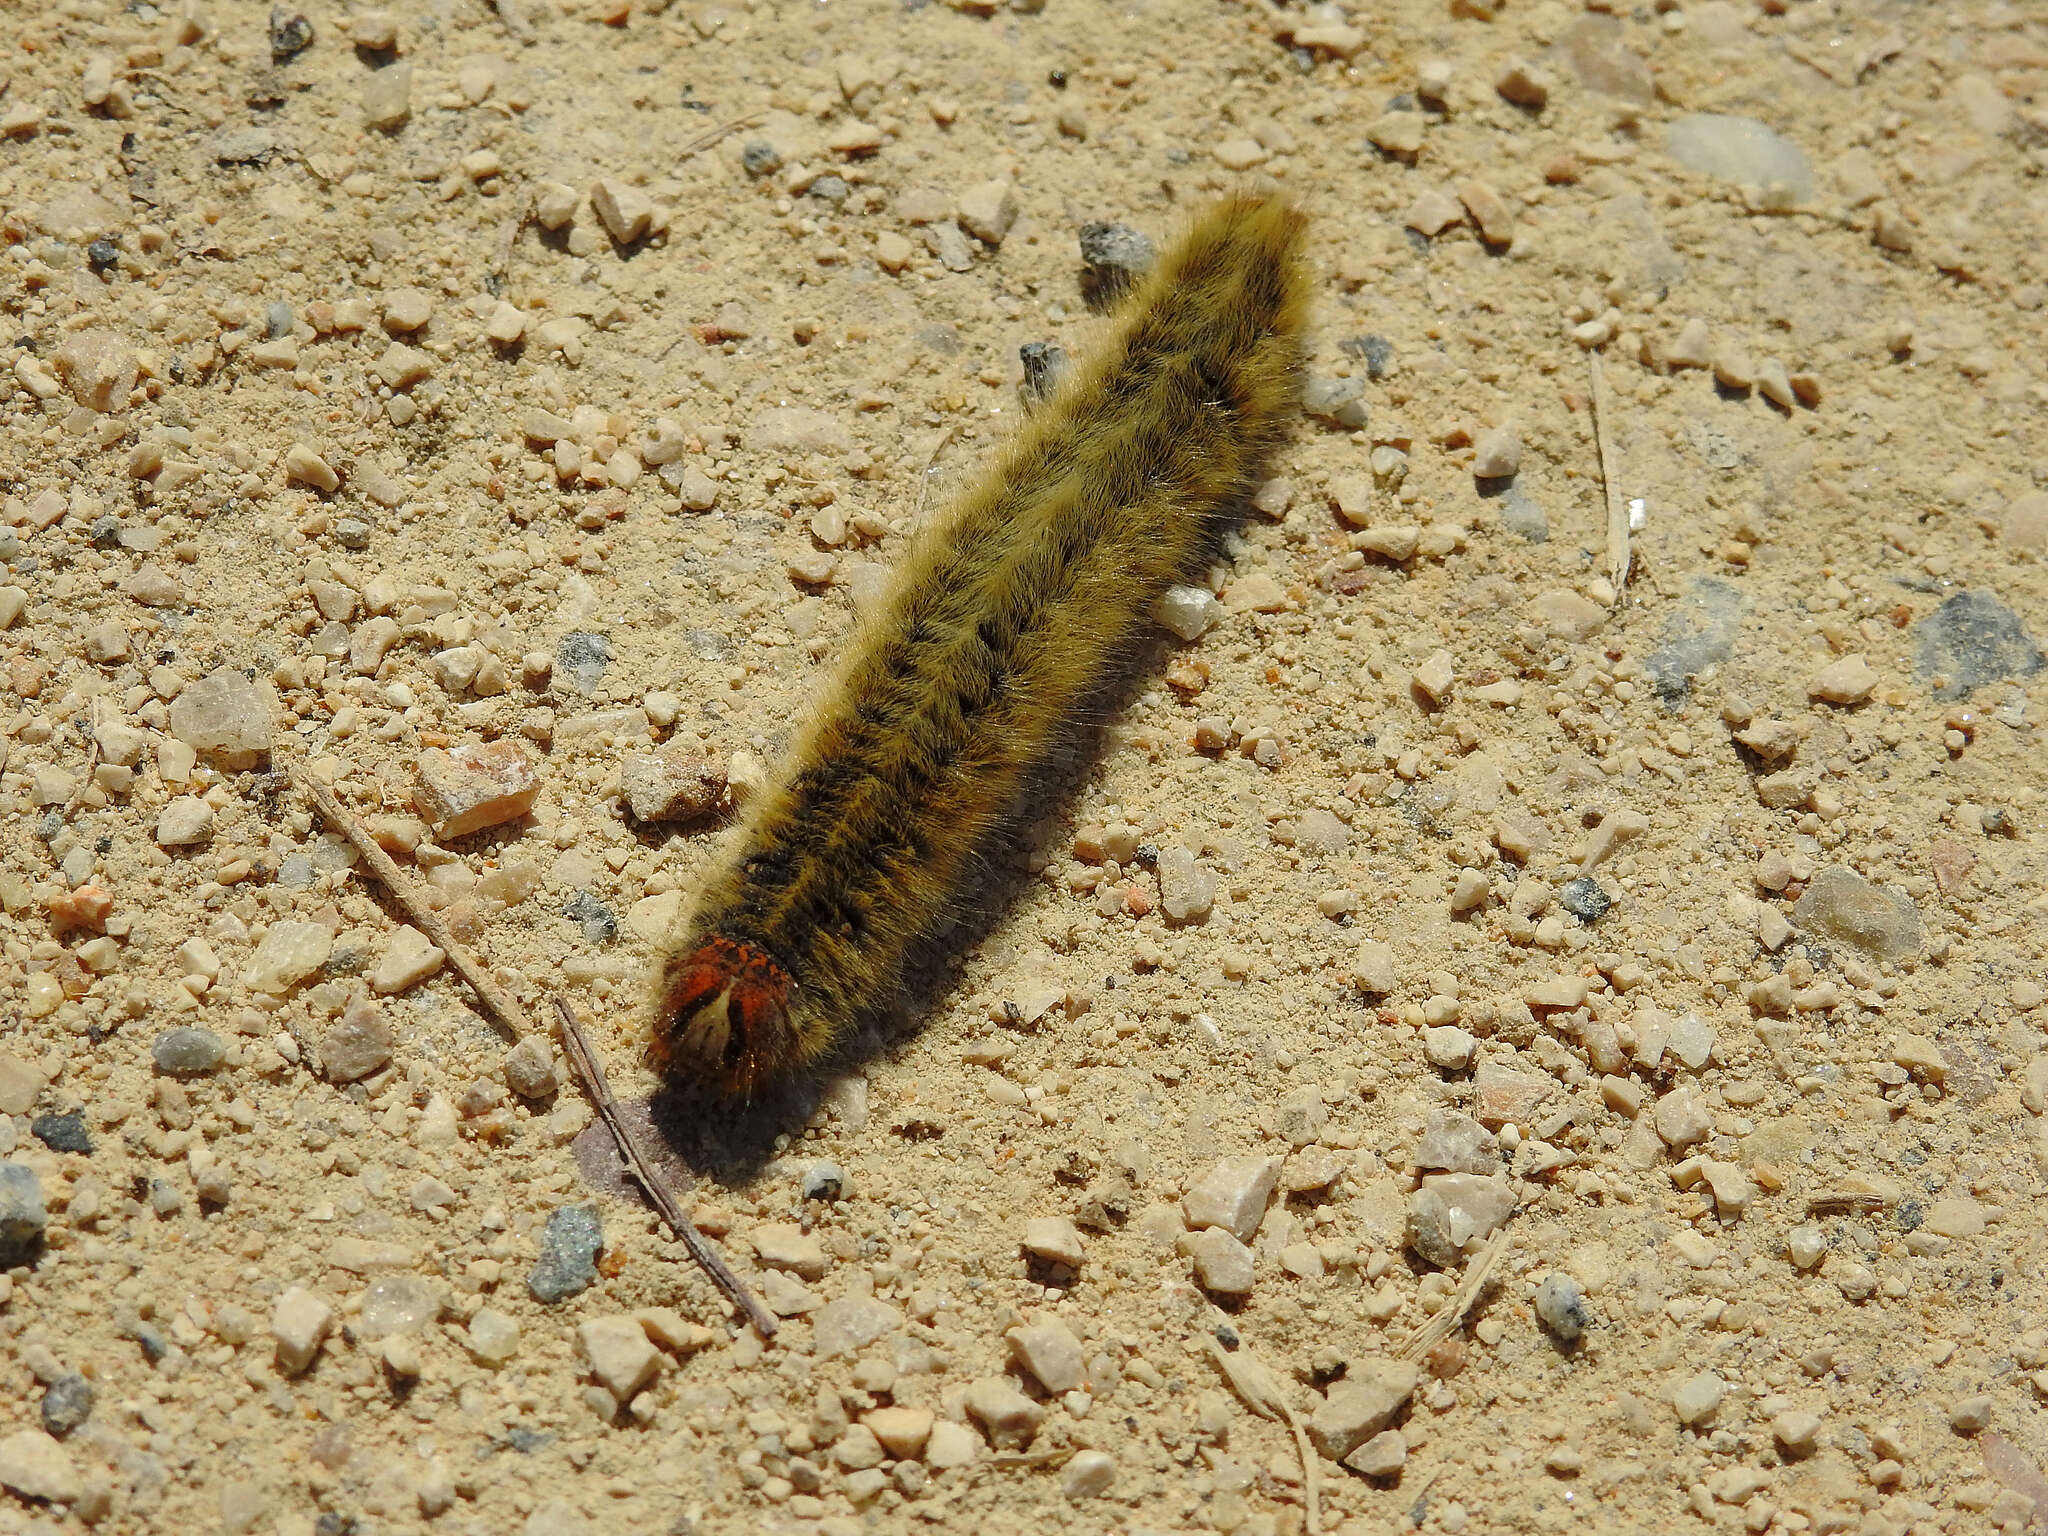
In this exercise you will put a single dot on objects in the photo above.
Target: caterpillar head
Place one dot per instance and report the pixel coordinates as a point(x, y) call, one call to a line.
point(723, 1018)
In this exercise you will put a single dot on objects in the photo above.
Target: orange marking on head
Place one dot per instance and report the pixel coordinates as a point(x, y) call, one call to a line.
point(724, 1016)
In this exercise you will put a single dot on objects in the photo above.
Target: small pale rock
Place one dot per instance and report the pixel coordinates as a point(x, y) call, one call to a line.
point(1088, 1475)
point(674, 784)
point(1222, 1263)
point(225, 716)
point(1456, 1143)
point(298, 1324)
point(1240, 153)
point(289, 952)
point(1496, 455)
point(1698, 1398)
point(1489, 211)
point(1433, 212)
point(1682, 1119)
point(1503, 1096)
point(387, 97)
point(1958, 1218)
point(902, 1431)
point(1397, 133)
point(1740, 150)
point(187, 1051)
point(625, 209)
point(474, 787)
point(37, 1466)
point(950, 1445)
point(1056, 1239)
point(530, 1070)
point(619, 1352)
point(1848, 681)
point(1453, 1211)
point(1561, 1307)
point(1373, 967)
point(851, 1323)
point(1875, 918)
point(987, 211)
point(1050, 1352)
point(1567, 615)
point(1233, 1195)
point(23, 1215)
point(1187, 891)
point(308, 468)
point(781, 1245)
point(1361, 1405)
point(408, 959)
point(1693, 347)
point(1434, 676)
point(1449, 1047)
point(493, 1337)
point(1007, 1416)
point(407, 309)
point(1382, 1456)
point(184, 822)
point(1970, 1416)
point(1190, 612)
point(1796, 1431)
point(358, 1044)
point(2026, 522)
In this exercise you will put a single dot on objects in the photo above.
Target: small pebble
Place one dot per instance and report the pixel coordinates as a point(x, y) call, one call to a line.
point(1056, 1239)
point(62, 1133)
point(187, 1051)
point(1970, 1416)
point(1007, 1416)
point(1797, 1432)
point(67, 1403)
point(1362, 1404)
point(1088, 1475)
point(185, 821)
point(358, 1044)
point(1222, 1263)
point(1384, 1455)
point(1524, 84)
point(1696, 1401)
point(987, 211)
point(298, 1324)
point(1049, 1350)
point(1561, 1308)
point(1584, 899)
point(569, 1247)
point(23, 1215)
point(824, 1180)
point(1232, 1194)
point(1497, 454)
point(1113, 258)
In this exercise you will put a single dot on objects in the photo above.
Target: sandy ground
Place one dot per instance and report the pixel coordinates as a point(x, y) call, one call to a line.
point(1671, 949)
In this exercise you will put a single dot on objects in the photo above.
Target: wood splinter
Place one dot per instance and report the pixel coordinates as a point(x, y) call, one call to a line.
point(505, 1009)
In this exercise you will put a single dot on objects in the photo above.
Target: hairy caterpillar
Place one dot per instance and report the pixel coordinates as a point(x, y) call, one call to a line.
point(1005, 620)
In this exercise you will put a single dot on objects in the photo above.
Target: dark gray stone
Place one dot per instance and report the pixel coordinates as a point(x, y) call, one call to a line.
point(67, 1403)
point(569, 1247)
point(708, 644)
point(1374, 351)
point(352, 533)
point(581, 658)
point(1970, 640)
point(1700, 633)
point(760, 158)
point(829, 189)
point(1584, 899)
point(62, 1133)
point(187, 1051)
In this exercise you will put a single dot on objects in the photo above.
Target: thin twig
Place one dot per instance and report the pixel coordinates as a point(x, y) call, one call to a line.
point(591, 1071)
point(711, 136)
point(1253, 1380)
point(1438, 1328)
point(502, 1005)
point(1610, 477)
point(1845, 1202)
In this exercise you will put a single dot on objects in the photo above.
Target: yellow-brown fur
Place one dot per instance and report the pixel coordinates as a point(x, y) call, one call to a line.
point(1003, 623)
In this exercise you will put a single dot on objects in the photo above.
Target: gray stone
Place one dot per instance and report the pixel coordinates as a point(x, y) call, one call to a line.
point(22, 1216)
point(1584, 899)
point(1700, 632)
point(67, 1403)
point(1045, 365)
point(593, 917)
point(1740, 150)
point(62, 1133)
point(1970, 640)
point(1843, 905)
point(187, 1051)
point(581, 659)
point(1114, 257)
point(1385, 1454)
point(1523, 516)
point(1365, 1402)
point(1561, 1308)
point(569, 1247)
point(1456, 1143)
point(358, 1044)
point(1341, 402)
